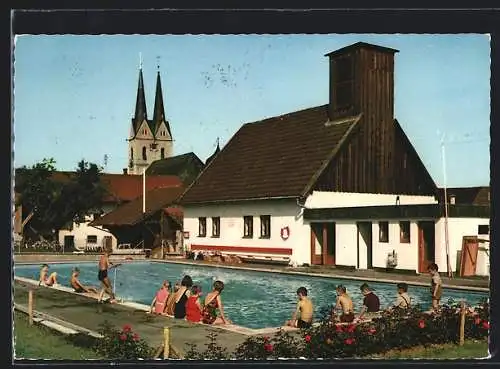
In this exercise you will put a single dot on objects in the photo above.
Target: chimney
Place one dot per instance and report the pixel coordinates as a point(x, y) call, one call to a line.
point(125, 171)
point(361, 81)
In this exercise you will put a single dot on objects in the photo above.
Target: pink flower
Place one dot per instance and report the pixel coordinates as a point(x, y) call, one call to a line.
point(308, 338)
point(127, 328)
point(266, 338)
point(372, 331)
point(123, 337)
point(477, 321)
point(486, 325)
point(135, 337)
point(338, 328)
point(421, 324)
point(268, 347)
point(349, 341)
point(351, 328)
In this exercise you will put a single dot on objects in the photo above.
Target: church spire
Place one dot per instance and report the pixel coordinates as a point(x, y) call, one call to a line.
point(140, 104)
point(159, 110)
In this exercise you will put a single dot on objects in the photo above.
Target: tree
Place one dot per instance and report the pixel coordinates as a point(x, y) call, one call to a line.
point(58, 201)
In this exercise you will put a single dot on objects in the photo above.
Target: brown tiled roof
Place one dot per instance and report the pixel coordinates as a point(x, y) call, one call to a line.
point(468, 195)
point(275, 157)
point(130, 213)
point(125, 187)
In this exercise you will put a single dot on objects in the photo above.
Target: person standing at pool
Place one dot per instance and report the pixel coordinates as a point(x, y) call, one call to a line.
point(344, 303)
point(104, 265)
point(77, 285)
point(436, 285)
point(371, 302)
point(46, 279)
point(193, 306)
point(302, 317)
point(213, 302)
point(181, 297)
point(159, 303)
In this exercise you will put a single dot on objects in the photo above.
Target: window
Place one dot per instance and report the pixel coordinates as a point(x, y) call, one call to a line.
point(144, 156)
point(202, 227)
point(247, 226)
point(483, 229)
point(383, 231)
point(265, 226)
point(216, 227)
point(91, 239)
point(343, 82)
point(145, 132)
point(404, 232)
point(162, 153)
point(131, 154)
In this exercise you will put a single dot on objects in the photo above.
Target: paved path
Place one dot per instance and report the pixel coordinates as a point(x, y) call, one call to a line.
point(87, 313)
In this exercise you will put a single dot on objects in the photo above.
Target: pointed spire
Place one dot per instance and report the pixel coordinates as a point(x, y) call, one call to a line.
point(159, 110)
point(140, 104)
point(212, 157)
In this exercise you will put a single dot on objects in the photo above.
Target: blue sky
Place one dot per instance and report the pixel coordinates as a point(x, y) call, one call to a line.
point(75, 95)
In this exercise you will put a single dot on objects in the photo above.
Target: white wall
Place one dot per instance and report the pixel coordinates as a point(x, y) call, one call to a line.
point(283, 213)
point(82, 230)
point(346, 243)
point(325, 199)
point(457, 229)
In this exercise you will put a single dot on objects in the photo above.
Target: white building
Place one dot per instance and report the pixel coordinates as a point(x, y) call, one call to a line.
point(338, 184)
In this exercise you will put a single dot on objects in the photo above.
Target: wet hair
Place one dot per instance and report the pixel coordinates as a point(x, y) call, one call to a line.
point(187, 281)
point(166, 284)
point(219, 286)
point(76, 270)
point(341, 288)
point(302, 291)
point(195, 289)
point(45, 265)
point(177, 285)
point(433, 267)
point(364, 286)
point(403, 286)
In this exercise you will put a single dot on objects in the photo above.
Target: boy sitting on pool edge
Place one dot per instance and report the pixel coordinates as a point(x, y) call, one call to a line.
point(303, 315)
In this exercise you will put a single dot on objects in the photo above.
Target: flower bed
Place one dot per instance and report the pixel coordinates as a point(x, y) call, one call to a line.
point(392, 330)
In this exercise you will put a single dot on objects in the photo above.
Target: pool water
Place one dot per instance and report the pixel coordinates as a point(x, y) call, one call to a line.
point(251, 299)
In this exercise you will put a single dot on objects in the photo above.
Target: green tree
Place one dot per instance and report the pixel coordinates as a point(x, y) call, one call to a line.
point(57, 201)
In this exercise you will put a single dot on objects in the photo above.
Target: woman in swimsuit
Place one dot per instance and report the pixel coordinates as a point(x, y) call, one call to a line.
point(181, 297)
point(212, 303)
point(193, 306)
point(160, 301)
point(171, 300)
point(344, 303)
point(46, 279)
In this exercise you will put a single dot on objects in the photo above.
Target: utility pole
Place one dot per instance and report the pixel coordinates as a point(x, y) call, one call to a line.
point(446, 237)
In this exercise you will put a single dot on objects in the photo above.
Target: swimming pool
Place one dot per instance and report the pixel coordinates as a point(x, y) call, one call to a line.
point(251, 299)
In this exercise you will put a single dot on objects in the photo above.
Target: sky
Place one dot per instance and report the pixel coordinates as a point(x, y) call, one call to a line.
point(74, 96)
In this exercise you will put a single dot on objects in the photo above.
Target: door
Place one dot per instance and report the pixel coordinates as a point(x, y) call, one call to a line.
point(365, 242)
point(69, 243)
point(470, 248)
point(108, 242)
point(316, 244)
point(329, 243)
point(426, 245)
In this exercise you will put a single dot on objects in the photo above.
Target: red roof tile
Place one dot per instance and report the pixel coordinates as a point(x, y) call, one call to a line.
point(276, 157)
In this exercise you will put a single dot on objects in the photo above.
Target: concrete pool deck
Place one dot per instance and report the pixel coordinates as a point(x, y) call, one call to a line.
point(479, 284)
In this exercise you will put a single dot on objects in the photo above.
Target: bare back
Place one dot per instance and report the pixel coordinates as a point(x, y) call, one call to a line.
point(346, 304)
point(103, 262)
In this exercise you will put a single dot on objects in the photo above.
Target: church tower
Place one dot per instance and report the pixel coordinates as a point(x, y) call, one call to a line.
point(149, 140)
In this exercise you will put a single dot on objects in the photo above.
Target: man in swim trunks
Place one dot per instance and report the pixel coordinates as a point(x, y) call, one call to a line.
point(303, 315)
point(344, 303)
point(104, 265)
point(46, 279)
point(77, 285)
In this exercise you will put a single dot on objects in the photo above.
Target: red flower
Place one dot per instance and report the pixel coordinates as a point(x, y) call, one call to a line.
point(123, 337)
point(338, 328)
point(486, 325)
point(308, 338)
point(268, 347)
point(477, 321)
point(372, 331)
point(349, 341)
point(266, 338)
point(351, 328)
point(421, 324)
point(127, 328)
point(135, 337)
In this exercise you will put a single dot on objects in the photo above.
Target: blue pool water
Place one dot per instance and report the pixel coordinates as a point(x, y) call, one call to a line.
point(251, 299)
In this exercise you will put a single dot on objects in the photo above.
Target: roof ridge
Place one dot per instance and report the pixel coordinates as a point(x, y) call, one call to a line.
point(264, 120)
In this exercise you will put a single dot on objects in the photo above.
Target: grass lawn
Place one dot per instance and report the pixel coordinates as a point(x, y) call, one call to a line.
point(39, 342)
point(470, 350)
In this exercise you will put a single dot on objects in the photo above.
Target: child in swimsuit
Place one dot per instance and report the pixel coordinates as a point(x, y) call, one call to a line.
point(193, 307)
point(403, 300)
point(213, 303)
point(77, 285)
point(436, 285)
point(46, 279)
point(344, 303)
point(160, 301)
point(303, 315)
point(181, 297)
